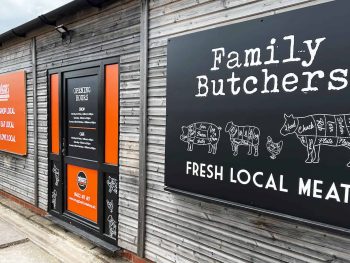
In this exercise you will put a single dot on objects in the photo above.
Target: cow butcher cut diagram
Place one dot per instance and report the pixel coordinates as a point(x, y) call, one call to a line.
point(243, 135)
point(316, 130)
point(201, 133)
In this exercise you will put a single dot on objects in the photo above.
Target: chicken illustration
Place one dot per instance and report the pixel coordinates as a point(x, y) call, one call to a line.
point(273, 148)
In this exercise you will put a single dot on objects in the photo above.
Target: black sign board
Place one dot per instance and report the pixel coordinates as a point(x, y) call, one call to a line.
point(82, 117)
point(258, 114)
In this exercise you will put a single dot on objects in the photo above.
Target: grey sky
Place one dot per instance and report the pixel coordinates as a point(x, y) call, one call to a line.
point(16, 12)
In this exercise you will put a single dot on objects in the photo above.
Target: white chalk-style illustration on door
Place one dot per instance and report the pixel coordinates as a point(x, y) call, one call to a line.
point(243, 136)
point(112, 225)
point(110, 205)
point(54, 198)
point(112, 184)
point(316, 130)
point(201, 133)
point(274, 148)
point(56, 173)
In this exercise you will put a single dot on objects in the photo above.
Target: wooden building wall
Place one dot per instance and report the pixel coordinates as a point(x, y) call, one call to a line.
point(17, 172)
point(183, 229)
point(178, 228)
point(97, 33)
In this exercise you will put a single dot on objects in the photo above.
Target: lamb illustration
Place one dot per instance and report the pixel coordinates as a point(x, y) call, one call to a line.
point(318, 129)
point(243, 135)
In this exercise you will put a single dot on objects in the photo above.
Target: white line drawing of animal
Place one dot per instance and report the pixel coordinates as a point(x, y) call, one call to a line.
point(318, 129)
point(110, 205)
point(112, 226)
point(243, 135)
point(54, 198)
point(56, 172)
point(112, 185)
point(201, 133)
point(273, 148)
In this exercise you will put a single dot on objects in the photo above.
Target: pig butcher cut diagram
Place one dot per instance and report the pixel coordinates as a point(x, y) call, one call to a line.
point(201, 133)
point(318, 129)
point(243, 135)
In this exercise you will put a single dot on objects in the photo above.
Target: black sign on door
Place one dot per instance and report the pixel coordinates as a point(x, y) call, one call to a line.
point(82, 111)
point(258, 114)
point(83, 180)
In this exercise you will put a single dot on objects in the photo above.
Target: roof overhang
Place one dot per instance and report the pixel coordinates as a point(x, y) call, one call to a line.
point(51, 18)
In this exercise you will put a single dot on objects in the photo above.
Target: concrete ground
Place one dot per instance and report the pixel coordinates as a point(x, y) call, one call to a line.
point(28, 237)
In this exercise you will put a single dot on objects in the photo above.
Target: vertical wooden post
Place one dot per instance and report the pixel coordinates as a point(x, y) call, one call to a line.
point(143, 129)
point(35, 119)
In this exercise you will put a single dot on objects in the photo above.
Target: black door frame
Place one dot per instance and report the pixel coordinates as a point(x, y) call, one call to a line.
point(62, 159)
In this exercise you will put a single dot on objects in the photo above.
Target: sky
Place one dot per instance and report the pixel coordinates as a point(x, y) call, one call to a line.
point(16, 12)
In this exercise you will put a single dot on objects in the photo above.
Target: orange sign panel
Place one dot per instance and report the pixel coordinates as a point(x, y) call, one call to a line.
point(82, 191)
point(55, 124)
point(112, 114)
point(13, 124)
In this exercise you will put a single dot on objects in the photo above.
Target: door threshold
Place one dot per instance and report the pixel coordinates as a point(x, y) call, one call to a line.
point(93, 239)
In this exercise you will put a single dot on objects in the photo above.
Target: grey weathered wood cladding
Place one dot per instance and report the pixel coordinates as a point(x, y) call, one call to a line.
point(178, 228)
point(17, 172)
point(113, 31)
point(183, 229)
